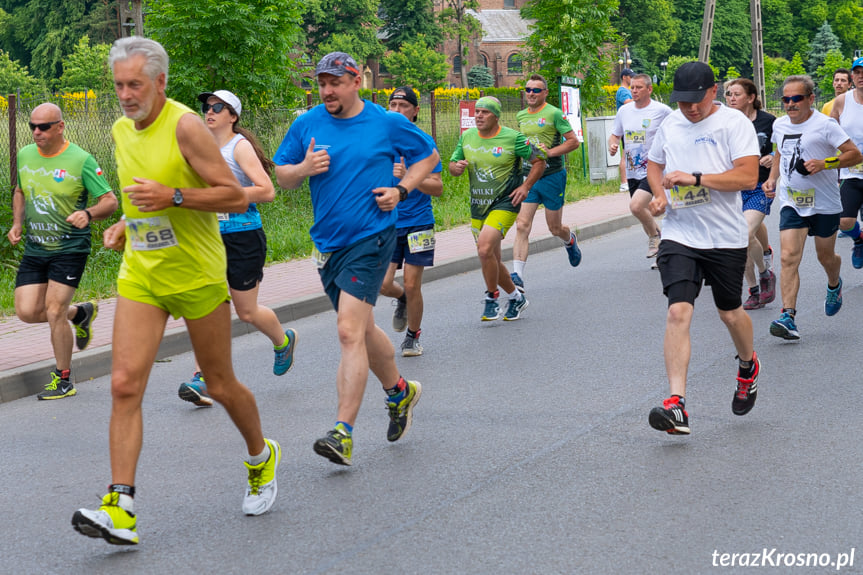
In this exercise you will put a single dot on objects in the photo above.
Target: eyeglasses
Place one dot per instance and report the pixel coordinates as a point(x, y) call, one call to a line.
point(43, 127)
point(534, 90)
point(217, 107)
point(795, 98)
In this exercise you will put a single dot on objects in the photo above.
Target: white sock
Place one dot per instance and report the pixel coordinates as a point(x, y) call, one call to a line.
point(518, 267)
point(261, 457)
point(126, 502)
point(515, 294)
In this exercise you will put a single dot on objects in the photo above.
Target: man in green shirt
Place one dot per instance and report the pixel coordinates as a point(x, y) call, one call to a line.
point(546, 127)
point(493, 154)
point(49, 211)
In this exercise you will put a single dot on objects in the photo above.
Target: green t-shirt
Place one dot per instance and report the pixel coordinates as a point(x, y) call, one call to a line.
point(494, 167)
point(545, 126)
point(54, 188)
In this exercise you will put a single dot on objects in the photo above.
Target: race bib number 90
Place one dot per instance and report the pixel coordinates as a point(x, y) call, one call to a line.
point(421, 241)
point(802, 198)
point(689, 196)
point(148, 234)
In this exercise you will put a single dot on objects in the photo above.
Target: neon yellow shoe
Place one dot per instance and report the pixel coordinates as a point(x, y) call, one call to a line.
point(111, 522)
point(262, 488)
point(57, 388)
point(401, 413)
point(336, 446)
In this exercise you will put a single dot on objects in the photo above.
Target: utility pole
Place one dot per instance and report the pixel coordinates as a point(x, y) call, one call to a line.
point(757, 49)
point(706, 31)
point(131, 18)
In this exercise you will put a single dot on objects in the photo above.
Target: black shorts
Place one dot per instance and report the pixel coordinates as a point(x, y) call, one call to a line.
point(638, 185)
point(819, 225)
point(852, 197)
point(402, 252)
point(684, 269)
point(247, 254)
point(66, 269)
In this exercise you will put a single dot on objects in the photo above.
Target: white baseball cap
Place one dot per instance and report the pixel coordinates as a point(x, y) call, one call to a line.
point(227, 97)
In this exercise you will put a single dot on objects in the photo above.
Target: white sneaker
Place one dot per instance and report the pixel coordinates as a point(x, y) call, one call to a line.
point(261, 488)
point(653, 245)
point(624, 187)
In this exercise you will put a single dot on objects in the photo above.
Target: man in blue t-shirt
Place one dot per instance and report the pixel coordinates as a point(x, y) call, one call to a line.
point(623, 96)
point(346, 146)
point(414, 237)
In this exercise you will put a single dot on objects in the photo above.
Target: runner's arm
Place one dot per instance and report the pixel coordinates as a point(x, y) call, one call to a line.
point(654, 180)
point(291, 176)
point(17, 229)
point(565, 147)
point(105, 205)
point(262, 189)
point(743, 176)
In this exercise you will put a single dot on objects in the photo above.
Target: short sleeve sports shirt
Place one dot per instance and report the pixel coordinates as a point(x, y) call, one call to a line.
point(546, 126)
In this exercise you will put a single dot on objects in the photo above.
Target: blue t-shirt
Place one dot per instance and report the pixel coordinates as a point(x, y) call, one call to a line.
point(361, 152)
point(623, 94)
point(416, 210)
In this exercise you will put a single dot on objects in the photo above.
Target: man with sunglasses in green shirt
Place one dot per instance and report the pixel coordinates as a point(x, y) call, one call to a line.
point(56, 179)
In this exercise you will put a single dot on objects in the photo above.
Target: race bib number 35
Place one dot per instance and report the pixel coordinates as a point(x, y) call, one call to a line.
point(154, 233)
point(421, 241)
point(689, 196)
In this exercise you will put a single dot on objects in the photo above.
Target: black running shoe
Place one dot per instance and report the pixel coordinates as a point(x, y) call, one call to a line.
point(83, 330)
point(671, 417)
point(335, 446)
point(747, 389)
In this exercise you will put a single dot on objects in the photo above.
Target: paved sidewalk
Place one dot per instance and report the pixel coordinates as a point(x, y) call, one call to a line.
point(292, 289)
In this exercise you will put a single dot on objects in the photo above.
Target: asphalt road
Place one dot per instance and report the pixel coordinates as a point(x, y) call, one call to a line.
point(530, 451)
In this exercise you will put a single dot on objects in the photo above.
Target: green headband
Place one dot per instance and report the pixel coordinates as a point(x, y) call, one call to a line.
point(489, 103)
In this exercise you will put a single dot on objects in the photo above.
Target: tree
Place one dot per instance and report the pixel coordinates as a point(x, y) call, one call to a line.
point(14, 77)
point(777, 26)
point(417, 64)
point(731, 73)
point(823, 42)
point(794, 67)
point(650, 27)
point(258, 62)
point(460, 25)
point(846, 24)
point(824, 74)
point(332, 24)
point(87, 67)
point(480, 77)
point(404, 20)
point(566, 39)
point(773, 73)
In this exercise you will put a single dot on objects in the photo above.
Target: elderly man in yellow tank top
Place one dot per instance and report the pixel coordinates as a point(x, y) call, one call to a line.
point(174, 180)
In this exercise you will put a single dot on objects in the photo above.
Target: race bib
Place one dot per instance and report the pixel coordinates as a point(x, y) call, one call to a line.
point(421, 241)
point(802, 198)
point(635, 137)
point(689, 196)
point(148, 234)
point(223, 217)
point(320, 259)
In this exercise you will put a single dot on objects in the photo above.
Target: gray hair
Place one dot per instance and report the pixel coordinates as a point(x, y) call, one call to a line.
point(157, 58)
point(648, 81)
point(807, 82)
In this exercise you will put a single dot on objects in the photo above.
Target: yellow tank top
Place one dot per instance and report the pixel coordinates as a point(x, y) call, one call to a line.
point(173, 250)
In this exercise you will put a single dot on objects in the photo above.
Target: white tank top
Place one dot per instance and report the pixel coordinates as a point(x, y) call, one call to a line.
point(851, 120)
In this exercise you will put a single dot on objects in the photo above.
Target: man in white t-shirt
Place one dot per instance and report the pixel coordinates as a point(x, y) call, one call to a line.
point(806, 143)
point(702, 156)
point(636, 123)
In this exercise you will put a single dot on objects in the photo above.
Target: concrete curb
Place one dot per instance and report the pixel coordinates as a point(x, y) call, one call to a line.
point(92, 363)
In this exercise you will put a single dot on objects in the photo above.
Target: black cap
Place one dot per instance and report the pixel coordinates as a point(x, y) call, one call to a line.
point(405, 93)
point(627, 72)
point(691, 82)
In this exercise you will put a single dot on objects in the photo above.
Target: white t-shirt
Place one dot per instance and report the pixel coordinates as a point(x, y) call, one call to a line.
point(817, 138)
point(704, 218)
point(851, 121)
point(637, 127)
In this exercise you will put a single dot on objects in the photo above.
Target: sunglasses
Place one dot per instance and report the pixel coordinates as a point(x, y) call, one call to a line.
point(43, 127)
point(216, 108)
point(795, 98)
point(534, 90)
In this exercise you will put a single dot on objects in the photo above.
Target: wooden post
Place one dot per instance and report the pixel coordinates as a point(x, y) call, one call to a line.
point(432, 105)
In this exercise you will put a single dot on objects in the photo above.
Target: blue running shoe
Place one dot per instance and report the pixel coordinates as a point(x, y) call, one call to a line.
point(195, 391)
point(492, 310)
point(516, 279)
point(516, 306)
point(784, 327)
point(573, 251)
point(284, 359)
point(857, 255)
point(833, 301)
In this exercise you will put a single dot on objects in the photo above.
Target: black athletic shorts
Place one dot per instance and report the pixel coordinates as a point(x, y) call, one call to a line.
point(852, 197)
point(66, 269)
point(684, 269)
point(247, 254)
point(635, 184)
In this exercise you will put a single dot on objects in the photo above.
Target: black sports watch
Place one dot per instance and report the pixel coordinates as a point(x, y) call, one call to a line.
point(178, 197)
point(697, 178)
point(403, 192)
